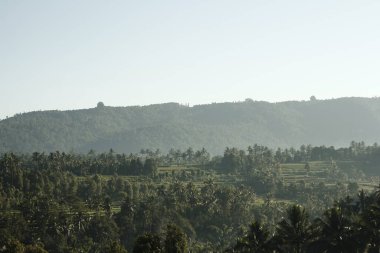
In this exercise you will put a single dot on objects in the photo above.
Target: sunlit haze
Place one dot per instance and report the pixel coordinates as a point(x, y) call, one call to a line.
point(71, 54)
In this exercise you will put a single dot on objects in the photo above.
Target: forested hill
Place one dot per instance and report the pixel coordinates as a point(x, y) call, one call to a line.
point(213, 126)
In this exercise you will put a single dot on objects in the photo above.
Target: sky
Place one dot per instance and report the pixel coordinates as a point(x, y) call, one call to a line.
point(64, 55)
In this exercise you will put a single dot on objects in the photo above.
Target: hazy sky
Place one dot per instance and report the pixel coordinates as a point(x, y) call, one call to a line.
point(71, 54)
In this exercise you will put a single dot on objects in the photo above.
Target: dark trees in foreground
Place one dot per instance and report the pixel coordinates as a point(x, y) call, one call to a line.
point(174, 241)
point(341, 229)
point(66, 202)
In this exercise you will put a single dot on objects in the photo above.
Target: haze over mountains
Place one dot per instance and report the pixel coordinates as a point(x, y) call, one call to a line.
point(213, 126)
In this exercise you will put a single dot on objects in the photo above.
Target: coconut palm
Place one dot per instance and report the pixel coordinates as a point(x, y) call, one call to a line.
point(337, 234)
point(294, 232)
point(370, 227)
point(256, 240)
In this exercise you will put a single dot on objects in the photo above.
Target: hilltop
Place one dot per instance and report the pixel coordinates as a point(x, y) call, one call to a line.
point(213, 126)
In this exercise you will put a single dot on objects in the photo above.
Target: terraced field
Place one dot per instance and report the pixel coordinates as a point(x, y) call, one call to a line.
point(329, 172)
point(319, 171)
point(293, 172)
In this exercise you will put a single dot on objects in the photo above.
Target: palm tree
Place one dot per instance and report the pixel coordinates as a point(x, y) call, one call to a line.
point(337, 234)
point(256, 240)
point(294, 232)
point(370, 227)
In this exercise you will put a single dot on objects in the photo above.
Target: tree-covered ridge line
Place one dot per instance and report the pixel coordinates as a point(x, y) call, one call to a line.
point(150, 202)
point(233, 160)
point(214, 126)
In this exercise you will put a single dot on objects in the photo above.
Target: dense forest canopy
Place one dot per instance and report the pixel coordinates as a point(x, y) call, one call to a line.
point(257, 199)
point(215, 126)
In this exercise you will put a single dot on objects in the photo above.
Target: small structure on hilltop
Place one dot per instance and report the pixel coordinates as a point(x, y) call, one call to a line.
point(100, 105)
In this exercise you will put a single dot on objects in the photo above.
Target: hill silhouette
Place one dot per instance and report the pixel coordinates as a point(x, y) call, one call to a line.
point(214, 126)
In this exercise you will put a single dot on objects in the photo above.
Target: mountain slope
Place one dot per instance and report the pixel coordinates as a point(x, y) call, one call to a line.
point(214, 126)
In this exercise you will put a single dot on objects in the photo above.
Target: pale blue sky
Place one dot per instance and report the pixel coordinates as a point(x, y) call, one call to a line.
point(71, 54)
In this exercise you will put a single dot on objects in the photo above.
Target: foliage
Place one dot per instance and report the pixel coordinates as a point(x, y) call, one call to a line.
point(175, 240)
point(188, 200)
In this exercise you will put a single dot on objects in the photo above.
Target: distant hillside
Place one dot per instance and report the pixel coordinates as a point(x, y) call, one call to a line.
point(213, 126)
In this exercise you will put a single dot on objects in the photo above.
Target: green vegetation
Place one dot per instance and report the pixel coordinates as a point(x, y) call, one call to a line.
point(188, 200)
point(215, 126)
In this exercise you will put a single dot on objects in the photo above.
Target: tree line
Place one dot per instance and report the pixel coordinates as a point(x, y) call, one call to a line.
point(111, 202)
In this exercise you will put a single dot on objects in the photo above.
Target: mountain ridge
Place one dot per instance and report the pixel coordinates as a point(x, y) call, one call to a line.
point(214, 126)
